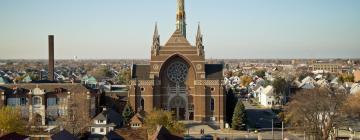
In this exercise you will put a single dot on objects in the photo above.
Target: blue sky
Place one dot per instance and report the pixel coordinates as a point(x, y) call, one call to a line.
point(117, 29)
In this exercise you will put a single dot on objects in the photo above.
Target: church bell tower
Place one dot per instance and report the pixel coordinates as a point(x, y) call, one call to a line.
point(180, 17)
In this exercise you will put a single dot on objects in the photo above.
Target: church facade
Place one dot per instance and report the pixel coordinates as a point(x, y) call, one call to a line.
point(178, 79)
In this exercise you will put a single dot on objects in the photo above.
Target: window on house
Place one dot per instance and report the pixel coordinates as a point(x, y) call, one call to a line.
point(101, 121)
point(23, 101)
point(51, 101)
point(92, 129)
point(101, 129)
point(212, 104)
point(13, 101)
point(36, 101)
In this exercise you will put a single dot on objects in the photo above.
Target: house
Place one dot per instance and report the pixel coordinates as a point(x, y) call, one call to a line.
point(308, 83)
point(14, 136)
point(136, 121)
point(63, 135)
point(323, 83)
point(257, 91)
point(105, 122)
point(3, 80)
point(357, 76)
point(267, 97)
point(355, 88)
point(89, 81)
point(26, 79)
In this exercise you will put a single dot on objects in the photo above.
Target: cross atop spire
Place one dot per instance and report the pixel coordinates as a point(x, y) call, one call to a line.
point(180, 17)
point(156, 33)
point(198, 35)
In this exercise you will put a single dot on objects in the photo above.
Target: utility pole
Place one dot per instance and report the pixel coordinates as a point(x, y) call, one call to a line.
point(304, 135)
point(272, 128)
point(282, 130)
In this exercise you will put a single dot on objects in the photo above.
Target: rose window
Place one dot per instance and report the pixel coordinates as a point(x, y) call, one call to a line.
point(177, 72)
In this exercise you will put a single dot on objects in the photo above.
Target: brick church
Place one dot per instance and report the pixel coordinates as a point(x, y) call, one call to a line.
point(177, 78)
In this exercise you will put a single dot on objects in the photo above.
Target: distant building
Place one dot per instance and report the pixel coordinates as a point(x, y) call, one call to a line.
point(327, 67)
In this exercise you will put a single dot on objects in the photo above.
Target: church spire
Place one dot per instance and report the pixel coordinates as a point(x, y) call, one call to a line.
point(180, 17)
point(156, 42)
point(199, 42)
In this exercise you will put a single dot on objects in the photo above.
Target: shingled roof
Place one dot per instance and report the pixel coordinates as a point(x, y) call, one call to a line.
point(214, 71)
point(140, 72)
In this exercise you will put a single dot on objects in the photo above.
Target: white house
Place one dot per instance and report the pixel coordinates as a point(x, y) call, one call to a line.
point(266, 97)
point(105, 122)
point(355, 88)
point(257, 91)
point(308, 83)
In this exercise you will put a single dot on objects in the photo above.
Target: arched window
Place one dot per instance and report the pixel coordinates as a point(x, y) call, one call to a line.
point(36, 101)
point(212, 104)
point(142, 104)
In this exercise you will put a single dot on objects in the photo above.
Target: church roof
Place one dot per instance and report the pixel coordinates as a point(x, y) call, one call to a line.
point(214, 71)
point(177, 40)
point(140, 72)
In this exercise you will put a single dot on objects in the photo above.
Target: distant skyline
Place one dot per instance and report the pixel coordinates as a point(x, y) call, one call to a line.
point(238, 29)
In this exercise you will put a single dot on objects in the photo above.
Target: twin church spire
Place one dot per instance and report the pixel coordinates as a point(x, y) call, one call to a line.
point(180, 26)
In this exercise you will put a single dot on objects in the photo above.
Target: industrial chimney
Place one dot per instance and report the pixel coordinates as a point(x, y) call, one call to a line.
point(51, 58)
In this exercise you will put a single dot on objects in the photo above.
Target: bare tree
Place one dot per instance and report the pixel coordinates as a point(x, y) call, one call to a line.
point(78, 113)
point(318, 111)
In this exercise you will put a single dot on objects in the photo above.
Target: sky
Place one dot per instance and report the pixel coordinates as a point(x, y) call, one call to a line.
point(122, 29)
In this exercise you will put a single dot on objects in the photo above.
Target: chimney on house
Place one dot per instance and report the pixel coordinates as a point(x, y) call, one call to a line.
point(51, 58)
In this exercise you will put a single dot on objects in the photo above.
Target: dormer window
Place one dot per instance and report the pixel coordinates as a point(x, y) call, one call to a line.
point(100, 121)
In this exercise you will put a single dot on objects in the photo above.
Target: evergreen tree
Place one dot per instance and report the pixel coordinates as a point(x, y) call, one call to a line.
point(127, 113)
point(239, 117)
point(231, 101)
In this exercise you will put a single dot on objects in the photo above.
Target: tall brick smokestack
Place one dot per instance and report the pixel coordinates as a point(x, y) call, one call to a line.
point(51, 58)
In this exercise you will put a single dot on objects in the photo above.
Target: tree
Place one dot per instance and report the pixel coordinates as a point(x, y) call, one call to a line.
point(318, 111)
point(352, 107)
point(164, 118)
point(239, 117)
point(101, 72)
point(11, 121)
point(304, 74)
point(279, 85)
point(123, 77)
point(231, 101)
point(127, 113)
point(246, 80)
point(346, 78)
point(78, 113)
point(260, 73)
